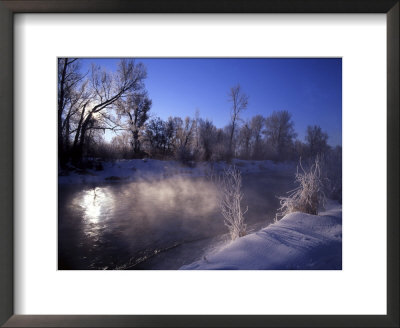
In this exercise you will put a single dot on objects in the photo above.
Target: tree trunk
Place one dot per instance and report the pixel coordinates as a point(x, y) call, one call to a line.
point(66, 138)
point(61, 153)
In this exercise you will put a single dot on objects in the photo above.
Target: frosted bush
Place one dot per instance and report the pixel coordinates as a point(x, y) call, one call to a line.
point(230, 184)
point(308, 196)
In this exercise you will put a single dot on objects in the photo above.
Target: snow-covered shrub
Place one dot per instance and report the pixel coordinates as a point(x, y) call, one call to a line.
point(308, 196)
point(230, 184)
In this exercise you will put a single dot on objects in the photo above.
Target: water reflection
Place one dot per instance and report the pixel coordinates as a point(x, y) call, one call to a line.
point(110, 225)
point(106, 226)
point(95, 206)
point(92, 201)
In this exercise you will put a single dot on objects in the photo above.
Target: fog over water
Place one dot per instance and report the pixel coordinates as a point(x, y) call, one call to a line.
point(155, 224)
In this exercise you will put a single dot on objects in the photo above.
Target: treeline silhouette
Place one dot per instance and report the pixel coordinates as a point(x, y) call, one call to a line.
point(89, 103)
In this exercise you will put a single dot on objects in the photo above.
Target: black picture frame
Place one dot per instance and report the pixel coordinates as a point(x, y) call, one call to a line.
point(10, 7)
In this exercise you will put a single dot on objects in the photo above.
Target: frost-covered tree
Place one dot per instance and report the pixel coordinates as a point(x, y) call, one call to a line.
point(184, 133)
point(134, 109)
point(206, 138)
point(171, 127)
point(156, 137)
point(105, 89)
point(221, 145)
point(184, 137)
point(230, 203)
point(121, 145)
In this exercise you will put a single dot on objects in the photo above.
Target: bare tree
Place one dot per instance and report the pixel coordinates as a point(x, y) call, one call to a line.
point(171, 127)
point(231, 197)
point(299, 149)
point(69, 97)
point(206, 136)
point(184, 132)
point(280, 133)
point(220, 150)
point(184, 139)
point(135, 108)
point(156, 137)
point(106, 89)
point(121, 145)
point(316, 141)
point(245, 138)
point(239, 103)
point(256, 125)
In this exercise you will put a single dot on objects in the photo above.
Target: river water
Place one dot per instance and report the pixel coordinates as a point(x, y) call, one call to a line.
point(154, 224)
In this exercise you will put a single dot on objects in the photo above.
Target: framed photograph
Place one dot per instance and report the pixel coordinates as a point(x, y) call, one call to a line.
point(194, 164)
point(144, 185)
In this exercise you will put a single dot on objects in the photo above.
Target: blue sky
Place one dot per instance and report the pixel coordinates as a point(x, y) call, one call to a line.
point(309, 88)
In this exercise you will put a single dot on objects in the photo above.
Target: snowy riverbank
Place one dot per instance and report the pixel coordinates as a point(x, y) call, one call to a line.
point(297, 242)
point(136, 169)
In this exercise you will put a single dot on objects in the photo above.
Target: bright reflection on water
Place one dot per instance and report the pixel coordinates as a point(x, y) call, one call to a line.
point(108, 226)
point(91, 203)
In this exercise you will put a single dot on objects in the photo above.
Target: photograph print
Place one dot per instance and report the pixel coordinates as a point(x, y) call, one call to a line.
point(199, 163)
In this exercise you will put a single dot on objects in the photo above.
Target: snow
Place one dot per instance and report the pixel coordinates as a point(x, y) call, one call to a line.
point(138, 169)
point(298, 241)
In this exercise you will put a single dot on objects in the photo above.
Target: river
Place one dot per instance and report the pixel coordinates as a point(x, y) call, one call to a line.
point(154, 224)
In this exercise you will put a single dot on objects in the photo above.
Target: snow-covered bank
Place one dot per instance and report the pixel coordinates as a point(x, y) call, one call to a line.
point(297, 242)
point(135, 169)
